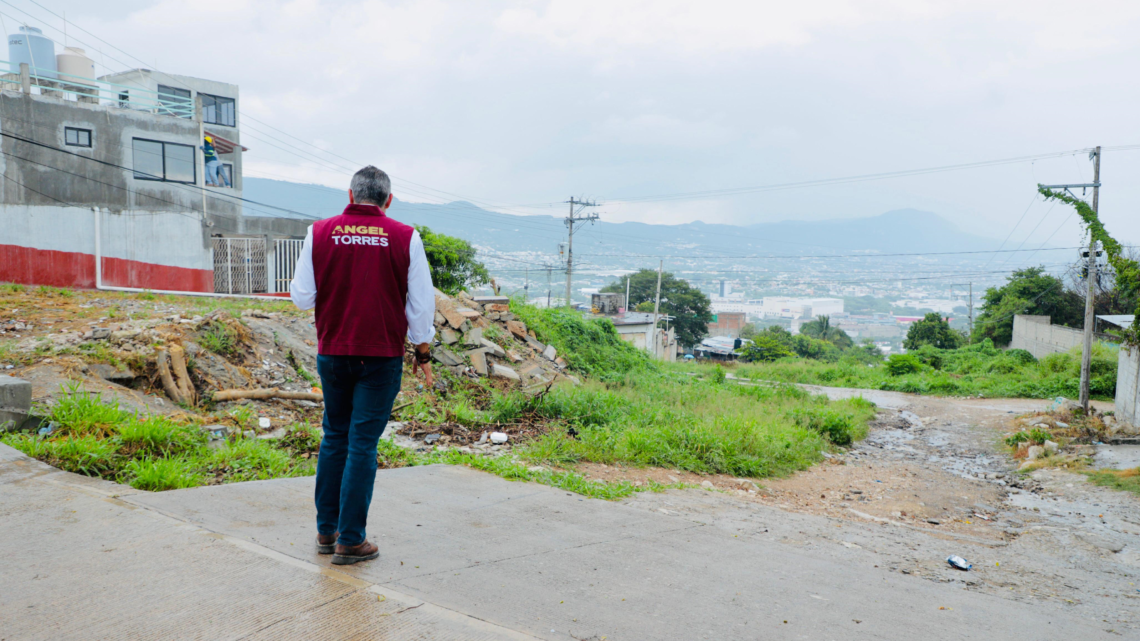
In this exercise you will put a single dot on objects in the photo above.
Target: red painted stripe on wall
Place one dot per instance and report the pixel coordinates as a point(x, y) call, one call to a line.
point(75, 269)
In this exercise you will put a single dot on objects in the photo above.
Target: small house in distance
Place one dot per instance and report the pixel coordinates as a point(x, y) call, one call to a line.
point(728, 324)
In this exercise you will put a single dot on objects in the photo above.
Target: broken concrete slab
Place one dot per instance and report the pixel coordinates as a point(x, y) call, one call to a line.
point(502, 371)
point(448, 336)
point(446, 357)
point(492, 348)
point(534, 344)
point(478, 361)
point(492, 300)
point(518, 329)
point(550, 352)
point(473, 337)
point(446, 307)
point(497, 307)
point(15, 402)
point(100, 333)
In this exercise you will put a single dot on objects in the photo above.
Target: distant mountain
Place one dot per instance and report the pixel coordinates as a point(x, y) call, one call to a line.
point(903, 230)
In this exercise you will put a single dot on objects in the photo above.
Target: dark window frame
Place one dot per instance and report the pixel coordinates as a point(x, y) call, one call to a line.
point(164, 179)
point(227, 167)
point(217, 110)
point(78, 138)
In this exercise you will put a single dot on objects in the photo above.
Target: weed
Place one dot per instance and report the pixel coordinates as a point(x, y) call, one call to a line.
point(1126, 480)
point(1037, 436)
point(300, 369)
point(244, 415)
point(11, 288)
point(219, 338)
point(254, 459)
point(147, 295)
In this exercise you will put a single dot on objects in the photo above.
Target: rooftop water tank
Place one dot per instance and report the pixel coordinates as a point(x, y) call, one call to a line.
point(74, 62)
point(32, 47)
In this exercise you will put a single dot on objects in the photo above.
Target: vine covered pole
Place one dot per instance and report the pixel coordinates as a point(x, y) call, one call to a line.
point(1090, 292)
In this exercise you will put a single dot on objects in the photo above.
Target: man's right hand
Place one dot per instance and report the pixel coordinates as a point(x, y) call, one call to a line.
point(424, 349)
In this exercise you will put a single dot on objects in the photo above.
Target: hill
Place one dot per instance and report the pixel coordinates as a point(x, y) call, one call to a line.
point(908, 230)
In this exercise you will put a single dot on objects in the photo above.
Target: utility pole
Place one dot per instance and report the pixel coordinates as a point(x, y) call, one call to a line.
point(1090, 291)
point(657, 307)
point(572, 219)
point(626, 294)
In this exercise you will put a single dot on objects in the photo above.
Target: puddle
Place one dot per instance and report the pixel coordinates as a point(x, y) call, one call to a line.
point(1119, 457)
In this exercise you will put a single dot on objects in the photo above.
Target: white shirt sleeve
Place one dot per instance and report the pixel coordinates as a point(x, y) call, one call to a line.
point(420, 308)
point(303, 289)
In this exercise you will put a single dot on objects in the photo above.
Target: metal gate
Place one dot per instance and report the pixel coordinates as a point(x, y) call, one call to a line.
point(285, 254)
point(239, 266)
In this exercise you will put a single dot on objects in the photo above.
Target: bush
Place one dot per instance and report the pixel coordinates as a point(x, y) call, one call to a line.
point(589, 346)
point(1021, 356)
point(902, 364)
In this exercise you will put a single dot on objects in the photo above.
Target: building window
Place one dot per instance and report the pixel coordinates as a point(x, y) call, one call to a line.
point(226, 168)
point(173, 101)
point(75, 137)
point(165, 161)
point(217, 110)
point(125, 99)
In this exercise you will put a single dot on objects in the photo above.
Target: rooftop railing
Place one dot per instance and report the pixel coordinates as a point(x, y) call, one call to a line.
point(35, 80)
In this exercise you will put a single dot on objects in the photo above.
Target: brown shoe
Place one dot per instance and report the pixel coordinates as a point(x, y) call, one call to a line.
point(326, 544)
point(347, 555)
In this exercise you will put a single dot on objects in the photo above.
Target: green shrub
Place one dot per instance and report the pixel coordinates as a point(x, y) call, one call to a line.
point(901, 364)
point(1021, 356)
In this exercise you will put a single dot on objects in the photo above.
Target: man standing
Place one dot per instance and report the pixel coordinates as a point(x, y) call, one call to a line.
point(214, 172)
point(368, 277)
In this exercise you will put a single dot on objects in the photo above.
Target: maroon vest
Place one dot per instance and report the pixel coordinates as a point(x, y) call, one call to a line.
point(360, 261)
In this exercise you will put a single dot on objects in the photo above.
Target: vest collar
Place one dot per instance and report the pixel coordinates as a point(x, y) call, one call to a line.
point(363, 210)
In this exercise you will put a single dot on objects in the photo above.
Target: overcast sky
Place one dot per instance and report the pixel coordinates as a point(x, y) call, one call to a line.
point(519, 103)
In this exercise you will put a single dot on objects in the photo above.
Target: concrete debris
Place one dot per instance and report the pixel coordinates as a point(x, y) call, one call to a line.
point(493, 349)
point(15, 402)
point(495, 343)
point(473, 337)
point(478, 361)
point(123, 375)
point(1035, 452)
point(446, 356)
point(100, 333)
point(1051, 447)
point(707, 485)
point(502, 371)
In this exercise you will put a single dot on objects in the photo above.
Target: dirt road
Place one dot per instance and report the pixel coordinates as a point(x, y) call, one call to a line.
point(929, 481)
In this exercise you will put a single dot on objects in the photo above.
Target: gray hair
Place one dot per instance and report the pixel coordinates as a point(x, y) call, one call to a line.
point(371, 186)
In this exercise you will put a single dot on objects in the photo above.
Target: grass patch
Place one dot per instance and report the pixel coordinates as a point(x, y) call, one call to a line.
point(974, 370)
point(1124, 480)
point(150, 452)
point(220, 338)
point(591, 346)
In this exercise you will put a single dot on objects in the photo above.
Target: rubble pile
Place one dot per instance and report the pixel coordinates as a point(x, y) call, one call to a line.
point(478, 336)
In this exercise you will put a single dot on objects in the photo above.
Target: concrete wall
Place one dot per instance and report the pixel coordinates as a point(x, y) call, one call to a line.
point(1128, 386)
point(1038, 336)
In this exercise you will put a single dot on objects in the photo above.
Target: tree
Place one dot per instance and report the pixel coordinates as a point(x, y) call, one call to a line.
point(749, 331)
point(452, 261)
point(1027, 291)
point(821, 329)
point(932, 330)
point(687, 305)
point(764, 348)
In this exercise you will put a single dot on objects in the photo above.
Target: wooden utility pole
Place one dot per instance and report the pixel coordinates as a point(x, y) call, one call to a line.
point(1090, 293)
point(657, 307)
point(572, 220)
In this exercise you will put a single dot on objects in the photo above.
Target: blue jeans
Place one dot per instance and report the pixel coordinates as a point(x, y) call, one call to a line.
point(359, 392)
point(215, 175)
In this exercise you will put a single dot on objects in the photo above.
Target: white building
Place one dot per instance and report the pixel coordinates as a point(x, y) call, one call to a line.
point(786, 307)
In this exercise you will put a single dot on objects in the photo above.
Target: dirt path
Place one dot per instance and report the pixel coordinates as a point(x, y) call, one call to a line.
point(929, 481)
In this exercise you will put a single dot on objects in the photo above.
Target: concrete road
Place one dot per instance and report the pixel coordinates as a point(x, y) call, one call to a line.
point(485, 557)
